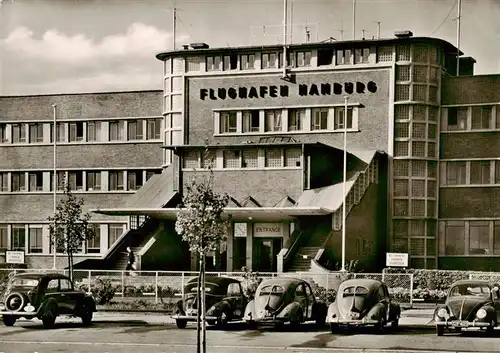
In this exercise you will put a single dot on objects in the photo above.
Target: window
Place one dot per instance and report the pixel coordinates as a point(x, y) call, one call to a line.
point(496, 238)
point(251, 121)
point(35, 240)
point(296, 118)
point(154, 129)
point(401, 148)
point(4, 181)
point(481, 117)
point(418, 130)
point(419, 73)
point(36, 132)
point(135, 130)
point(227, 122)
point(53, 285)
point(247, 61)
point(94, 131)
point(18, 133)
point(114, 232)
point(455, 173)
point(61, 177)
point(75, 179)
point(273, 120)
point(65, 285)
point(3, 133)
point(35, 181)
point(361, 55)
point(60, 132)
point(268, 60)
point(457, 118)
point(213, 63)
point(94, 244)
point(116, 180)
point(403, 53)
point(150, 173)
point(3, 237)
point(402, 92)
point(340, 118)
point(343, 57)
point(303, 58)
point(230, 62)
point(325, 56)
point(249, 159)
point(208, 159)
point(384, 54)
point(134, 179)
point(76, 131)
point(232, 159)
point(191, 159)
point(319, 119)
point(292, 157)
point(18, 237)
point(93, 181)
point(193, 64)
point(421, 53)
point(403, 73)
point(402, 112)
point(400, 187)
point(454, 238)
point(273, 158)
point(116, 130)
point(479, 237)
point(18, 181)
point(480, 172)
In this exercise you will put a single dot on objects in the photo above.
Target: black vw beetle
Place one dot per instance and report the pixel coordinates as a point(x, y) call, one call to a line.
point(225, 302)
point(44, 296)
point(469, 304)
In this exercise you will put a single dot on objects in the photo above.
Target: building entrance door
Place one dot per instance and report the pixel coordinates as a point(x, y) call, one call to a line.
point(265, 251)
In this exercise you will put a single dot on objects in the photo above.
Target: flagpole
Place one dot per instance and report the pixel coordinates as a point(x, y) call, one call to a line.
point(54, 136)
point(344, 184)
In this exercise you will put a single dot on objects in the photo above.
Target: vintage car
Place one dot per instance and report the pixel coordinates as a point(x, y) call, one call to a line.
point(469, 304)
point(281, 300)
point(363, 302)
point(224, 297)
point(44, 296)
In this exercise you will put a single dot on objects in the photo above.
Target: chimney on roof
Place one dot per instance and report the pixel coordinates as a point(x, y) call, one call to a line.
point(403, 34)
point(185, 47)
point(199, 45)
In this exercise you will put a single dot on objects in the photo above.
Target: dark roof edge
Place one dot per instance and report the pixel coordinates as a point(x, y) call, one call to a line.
point(79, 93)
point(189, 52)
point(242, 145)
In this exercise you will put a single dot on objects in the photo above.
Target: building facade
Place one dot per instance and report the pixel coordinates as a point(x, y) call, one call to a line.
point(420, 156)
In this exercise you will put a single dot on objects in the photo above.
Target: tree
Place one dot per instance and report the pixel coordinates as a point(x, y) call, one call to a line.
point(200, 223)
point(69, 227)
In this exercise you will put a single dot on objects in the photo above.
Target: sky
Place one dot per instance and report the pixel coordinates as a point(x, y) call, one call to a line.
point(76, 46)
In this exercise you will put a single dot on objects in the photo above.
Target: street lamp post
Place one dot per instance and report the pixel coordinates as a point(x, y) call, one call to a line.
point(344, 184)
point(54, 136)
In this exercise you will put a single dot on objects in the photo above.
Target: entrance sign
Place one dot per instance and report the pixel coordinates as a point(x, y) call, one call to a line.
point(240, 230)
point(14, 257)
point(268, 230)
point(394, 259)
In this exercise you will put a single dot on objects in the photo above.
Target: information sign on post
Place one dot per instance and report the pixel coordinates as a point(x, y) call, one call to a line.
point(14, 257)
point(394, 259)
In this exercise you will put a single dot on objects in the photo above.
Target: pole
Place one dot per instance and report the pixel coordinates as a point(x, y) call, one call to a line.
point(174, 27)
point(378, 29)
point(203, 309)
point(54, 136)
point(344, 184)
point(353, 19)
point(284, 37)
point(458, 36)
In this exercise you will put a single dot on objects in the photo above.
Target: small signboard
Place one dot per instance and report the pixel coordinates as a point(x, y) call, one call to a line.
point(14, 257)
point(268, 230)
point(394, 259)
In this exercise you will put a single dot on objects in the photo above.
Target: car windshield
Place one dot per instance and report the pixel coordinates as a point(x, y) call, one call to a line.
point(478, 290)
point(24, 282)
point(357, 291)
point(272, 289)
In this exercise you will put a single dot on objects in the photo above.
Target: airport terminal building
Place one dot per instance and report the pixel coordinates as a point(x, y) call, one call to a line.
point(422, 158)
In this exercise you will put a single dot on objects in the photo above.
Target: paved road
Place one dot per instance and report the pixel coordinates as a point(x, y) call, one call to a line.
point(127, 334)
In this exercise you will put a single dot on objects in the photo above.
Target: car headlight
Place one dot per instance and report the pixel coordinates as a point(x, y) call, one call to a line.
point(442, 313)
point(481, 313)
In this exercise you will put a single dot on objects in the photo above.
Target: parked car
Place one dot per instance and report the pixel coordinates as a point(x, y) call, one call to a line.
point(469, 303)
point(44, 296)
point(225, 302)
point(363, 302)
point(284, 300)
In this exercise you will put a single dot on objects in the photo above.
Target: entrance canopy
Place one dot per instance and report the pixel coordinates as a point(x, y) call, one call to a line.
point(237, 213)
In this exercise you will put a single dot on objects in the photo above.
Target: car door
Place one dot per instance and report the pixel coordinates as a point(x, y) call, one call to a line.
point(310, 300)
point(301, 298)
point(236, 299)
point(52, 290)
point(68, 296)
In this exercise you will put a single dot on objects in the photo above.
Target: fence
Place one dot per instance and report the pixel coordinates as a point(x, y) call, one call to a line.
point(157, 285)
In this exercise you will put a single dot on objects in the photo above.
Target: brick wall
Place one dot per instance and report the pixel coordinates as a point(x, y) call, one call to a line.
point(470, 145)
point(480, 202)
point(470, 89)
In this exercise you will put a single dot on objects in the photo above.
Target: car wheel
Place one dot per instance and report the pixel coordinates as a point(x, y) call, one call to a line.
point(334, 328)
point(9, 320)
point(379, 327)
point(181, 323)
point(49, 317)
point(395, 324)
point(439, 330)
point(222, 321)
point(86, 314)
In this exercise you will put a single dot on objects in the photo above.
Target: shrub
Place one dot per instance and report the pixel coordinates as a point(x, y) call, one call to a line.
point(251, 281)
point(320, 292)
point(102, 290)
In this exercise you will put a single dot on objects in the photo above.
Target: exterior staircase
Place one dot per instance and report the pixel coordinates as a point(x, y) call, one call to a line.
point(302, 259)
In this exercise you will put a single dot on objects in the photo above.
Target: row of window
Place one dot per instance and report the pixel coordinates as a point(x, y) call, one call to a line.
point(79, 180)
point(479, 172)
point(82, 131)
point(285, 120)
point(485, 117)
point(420, 53)
point(417, 73)
point(30, 238)
point(479, 237)
point(244, 158)
point(416, 92)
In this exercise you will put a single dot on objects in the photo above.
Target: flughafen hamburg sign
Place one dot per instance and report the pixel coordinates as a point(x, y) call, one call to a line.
point(273, 91)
